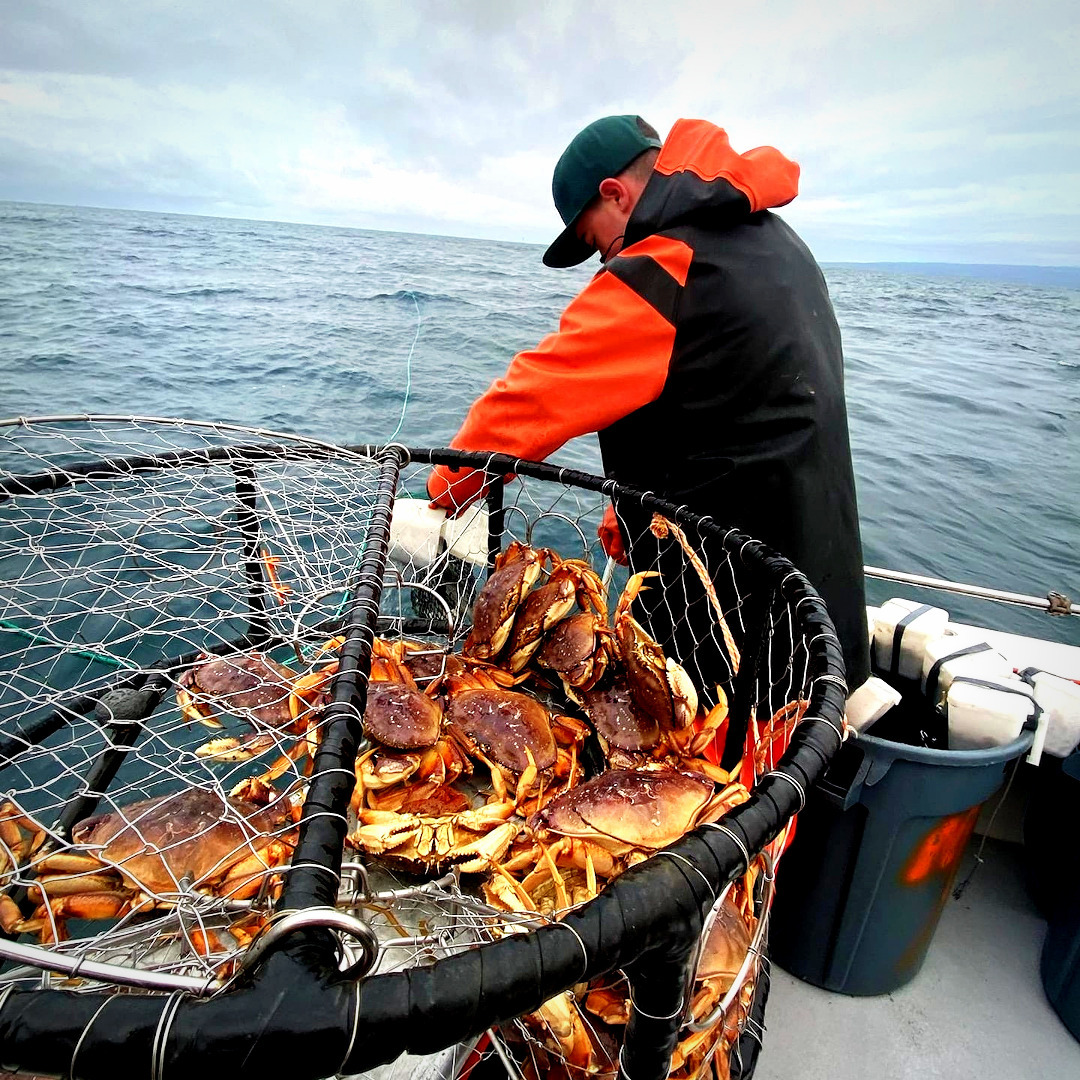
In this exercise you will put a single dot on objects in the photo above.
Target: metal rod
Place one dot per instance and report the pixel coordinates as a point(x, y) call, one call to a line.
point(1042, 603)
point(79, 967)
point(316, 864)
point(494, 500)
point(122, 739)
point(64, 712)
point(752, 953)
point(247, 519)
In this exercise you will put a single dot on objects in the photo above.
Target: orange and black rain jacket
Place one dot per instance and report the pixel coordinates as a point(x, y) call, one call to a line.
point(707, 356)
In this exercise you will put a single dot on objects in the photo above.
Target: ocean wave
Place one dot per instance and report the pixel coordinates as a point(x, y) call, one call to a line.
point(149, 230)
point(223, 290)
point(183, 294)
point(51, 361)
point(409, 295)
point(126, 328)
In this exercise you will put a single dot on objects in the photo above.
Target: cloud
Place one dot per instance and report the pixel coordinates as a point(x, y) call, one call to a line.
point(916, 125)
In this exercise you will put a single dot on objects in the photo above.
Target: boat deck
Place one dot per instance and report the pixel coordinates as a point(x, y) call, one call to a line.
point(976, 1010)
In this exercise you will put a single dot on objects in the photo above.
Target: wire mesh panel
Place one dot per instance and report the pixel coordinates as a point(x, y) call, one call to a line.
point(180, 578)
point(276, 733)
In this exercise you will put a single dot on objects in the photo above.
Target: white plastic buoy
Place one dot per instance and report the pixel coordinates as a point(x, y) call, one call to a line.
point(420, 533)
point(902, 629)
point(955, 654)
point(987, 712)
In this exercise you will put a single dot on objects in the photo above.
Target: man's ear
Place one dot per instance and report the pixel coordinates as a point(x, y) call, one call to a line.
point(613, 188)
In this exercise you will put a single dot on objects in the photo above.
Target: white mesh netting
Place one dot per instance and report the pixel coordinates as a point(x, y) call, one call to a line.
point(196, 577)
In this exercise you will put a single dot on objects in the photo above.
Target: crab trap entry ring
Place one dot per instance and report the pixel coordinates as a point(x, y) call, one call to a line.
point(285, 923)
point(325, 512)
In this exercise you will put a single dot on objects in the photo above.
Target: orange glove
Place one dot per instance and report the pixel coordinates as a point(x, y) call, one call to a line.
point(453, 488)
point(611, 537)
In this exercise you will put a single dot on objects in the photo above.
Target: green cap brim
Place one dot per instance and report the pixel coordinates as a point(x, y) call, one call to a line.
point(567, 249)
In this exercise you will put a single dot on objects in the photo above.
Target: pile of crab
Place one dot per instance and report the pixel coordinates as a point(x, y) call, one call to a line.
point(475, 760)
point(472, 760)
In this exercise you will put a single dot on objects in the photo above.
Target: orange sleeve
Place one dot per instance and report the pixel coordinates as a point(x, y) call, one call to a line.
point(609, 357)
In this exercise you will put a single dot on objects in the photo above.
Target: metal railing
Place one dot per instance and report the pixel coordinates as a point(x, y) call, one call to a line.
point(1054, 603)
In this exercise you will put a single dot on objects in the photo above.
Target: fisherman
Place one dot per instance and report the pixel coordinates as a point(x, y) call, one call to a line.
point(705, 352)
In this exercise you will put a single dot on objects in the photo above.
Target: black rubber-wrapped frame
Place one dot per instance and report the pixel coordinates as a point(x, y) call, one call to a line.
point(296, 1016)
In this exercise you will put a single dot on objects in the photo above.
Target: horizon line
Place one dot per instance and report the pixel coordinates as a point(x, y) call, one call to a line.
point(488, 240)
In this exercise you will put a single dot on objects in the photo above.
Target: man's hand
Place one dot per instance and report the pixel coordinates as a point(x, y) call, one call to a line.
point(453, 488)
point(611, 537)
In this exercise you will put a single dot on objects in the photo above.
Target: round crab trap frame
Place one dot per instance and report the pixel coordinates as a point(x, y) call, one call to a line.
point(464, 801)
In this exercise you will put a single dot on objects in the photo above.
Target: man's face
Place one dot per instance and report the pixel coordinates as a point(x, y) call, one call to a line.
point(602, 223)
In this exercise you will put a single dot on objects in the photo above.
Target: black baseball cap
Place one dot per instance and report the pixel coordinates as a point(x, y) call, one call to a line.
point(601, 150)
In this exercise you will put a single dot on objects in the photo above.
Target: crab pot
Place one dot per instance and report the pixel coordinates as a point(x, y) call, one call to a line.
point(861, 889)
point(233, 902)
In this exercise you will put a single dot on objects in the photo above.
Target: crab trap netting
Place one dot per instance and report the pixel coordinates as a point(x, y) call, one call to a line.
point(300, 776)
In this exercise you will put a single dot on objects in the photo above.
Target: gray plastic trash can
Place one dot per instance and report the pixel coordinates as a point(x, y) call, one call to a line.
point(861, 889)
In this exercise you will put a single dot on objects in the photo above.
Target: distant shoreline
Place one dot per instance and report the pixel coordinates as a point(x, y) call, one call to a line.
point(1066, 276)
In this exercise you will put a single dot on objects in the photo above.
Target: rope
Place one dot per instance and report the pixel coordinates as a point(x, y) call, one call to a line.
point(408, 371)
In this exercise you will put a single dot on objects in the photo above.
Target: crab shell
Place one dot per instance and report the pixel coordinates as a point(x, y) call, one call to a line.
point(191, 834)
point(427, 664)
point(577, 650)
point(503, 725)
point(470, 839)
point(250, 685)
point(543, 608)
point(726, 945)
point(659, 685)
point(516, 571)
point(627, 809)
point(618, 722)
point(401, 717)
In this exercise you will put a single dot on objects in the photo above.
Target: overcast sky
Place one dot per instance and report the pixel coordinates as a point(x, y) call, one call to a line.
point(926, 129)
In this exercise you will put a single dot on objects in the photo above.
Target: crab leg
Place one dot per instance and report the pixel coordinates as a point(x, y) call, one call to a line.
point(519, 890)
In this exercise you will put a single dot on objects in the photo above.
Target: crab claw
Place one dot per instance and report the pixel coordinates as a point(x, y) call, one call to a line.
point(232, 748)
point(196, 712)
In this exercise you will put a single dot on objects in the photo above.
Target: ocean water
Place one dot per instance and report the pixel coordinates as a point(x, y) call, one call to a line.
point(963, 392)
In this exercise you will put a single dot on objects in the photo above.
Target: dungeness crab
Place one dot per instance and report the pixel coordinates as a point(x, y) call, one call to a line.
point(529, 754)
point(660, 687)
point(622, 816)
point(147, 854)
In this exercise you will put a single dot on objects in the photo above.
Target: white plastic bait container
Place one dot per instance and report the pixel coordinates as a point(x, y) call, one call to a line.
point(419, 533)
